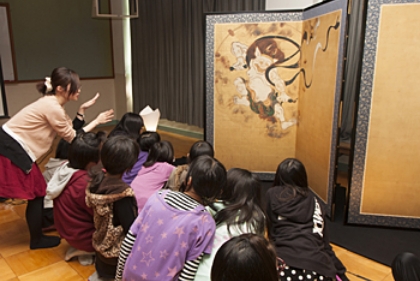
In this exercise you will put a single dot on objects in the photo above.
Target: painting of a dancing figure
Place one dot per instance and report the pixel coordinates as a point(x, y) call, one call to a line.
point(262, 71)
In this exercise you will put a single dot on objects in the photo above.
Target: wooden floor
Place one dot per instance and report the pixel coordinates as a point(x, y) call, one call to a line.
point(17, 262)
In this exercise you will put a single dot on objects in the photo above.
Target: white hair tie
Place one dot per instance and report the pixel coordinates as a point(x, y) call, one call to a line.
point(48, 85)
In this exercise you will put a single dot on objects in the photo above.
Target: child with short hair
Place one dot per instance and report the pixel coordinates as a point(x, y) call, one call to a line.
point(245, 257)
point(113, 203)
point(174, 230)
point(155, 172)
point(178, 175)
point(67, 188)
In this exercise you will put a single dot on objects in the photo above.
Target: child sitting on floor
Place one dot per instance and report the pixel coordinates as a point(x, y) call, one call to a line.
point(113, 203)
point(178, 175)
point(174, 230)
point(155, 172)
point(146, 141)
point(247, 257)
point(298, 228)
point(61, 157)
point(238, 211)
point(73, 219)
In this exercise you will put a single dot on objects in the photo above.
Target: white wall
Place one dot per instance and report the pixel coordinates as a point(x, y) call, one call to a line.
point(289, 4)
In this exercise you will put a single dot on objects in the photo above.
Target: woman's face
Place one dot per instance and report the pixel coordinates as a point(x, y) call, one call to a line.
point(74, 96)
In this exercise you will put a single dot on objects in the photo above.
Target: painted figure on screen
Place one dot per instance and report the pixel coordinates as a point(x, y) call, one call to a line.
point(264, 91)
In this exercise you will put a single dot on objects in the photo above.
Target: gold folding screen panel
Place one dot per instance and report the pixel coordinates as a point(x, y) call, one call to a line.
point(384, 183)
point(273, 87)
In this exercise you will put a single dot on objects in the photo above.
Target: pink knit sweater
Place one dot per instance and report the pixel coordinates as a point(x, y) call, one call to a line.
point(37, 124)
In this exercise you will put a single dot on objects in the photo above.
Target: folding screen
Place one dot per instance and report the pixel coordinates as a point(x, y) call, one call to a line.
point(273, 87)
point(384, 187)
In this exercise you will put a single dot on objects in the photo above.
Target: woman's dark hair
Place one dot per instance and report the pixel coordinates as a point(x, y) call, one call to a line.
point(200, 148)
point(147, 140)
point(118, 154)
point(406, 267)
point(208, 178)
point(160, 152)
point(242, 199)
point(129, 125)
point(61, 76)
point(62, 150)
point(246, 257)
point(83, 150)
point(291, 173)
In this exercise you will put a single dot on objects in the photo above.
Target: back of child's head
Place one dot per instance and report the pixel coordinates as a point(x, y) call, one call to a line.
point(292, 173)
point(207, 177)
point(242, 197)
point(101, 136)
point(242, 185)
point(406, 267)
point(160, 152)
point(84, 150)
point(147, 140)
point(62, 150)
point(246, 257)
point(119, 154)
point(129, 125)
point(200, 148)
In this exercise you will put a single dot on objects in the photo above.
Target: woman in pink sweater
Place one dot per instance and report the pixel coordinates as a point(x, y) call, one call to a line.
point(29, 134)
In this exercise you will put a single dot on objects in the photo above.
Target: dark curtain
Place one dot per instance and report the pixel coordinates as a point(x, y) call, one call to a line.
point(353, 66)
point(167, 42)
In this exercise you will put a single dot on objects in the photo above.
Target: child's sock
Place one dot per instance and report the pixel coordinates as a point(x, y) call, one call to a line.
point(95, 277)
point(73, 252)
point(86, 259)
point(45, 242)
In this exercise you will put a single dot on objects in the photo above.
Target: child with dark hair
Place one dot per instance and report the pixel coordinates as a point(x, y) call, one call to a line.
point(247, 257)
point(237, 211)
point(131, 124)
point(298, 228)
point(174, 230)
point(67, 188)
point(113, 203)
point(177, 176)
point(406, 267)
point(146, 141)
point(155, 172)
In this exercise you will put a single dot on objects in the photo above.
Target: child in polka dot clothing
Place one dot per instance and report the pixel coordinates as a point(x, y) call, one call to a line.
point(297, 228)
